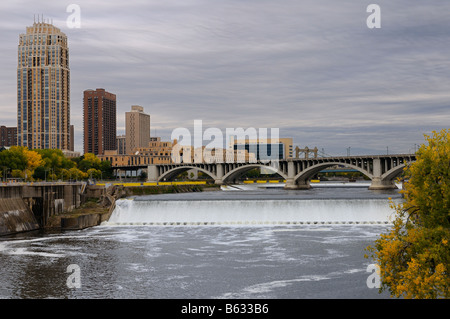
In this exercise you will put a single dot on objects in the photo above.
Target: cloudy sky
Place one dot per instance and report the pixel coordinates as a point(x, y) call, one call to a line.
point(311, 68)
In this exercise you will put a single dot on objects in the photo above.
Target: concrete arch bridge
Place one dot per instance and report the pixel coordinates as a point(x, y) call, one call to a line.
point(381, 169)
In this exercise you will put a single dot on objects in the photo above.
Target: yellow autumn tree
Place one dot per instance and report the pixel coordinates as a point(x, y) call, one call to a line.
point(21, 160)
point(414, 257)
point(34, 160)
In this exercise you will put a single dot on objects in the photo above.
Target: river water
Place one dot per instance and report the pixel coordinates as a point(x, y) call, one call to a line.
point(241, 243)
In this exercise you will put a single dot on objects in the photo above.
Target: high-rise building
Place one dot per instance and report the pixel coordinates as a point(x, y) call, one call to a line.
point(72, 138)
point(8, 136)
point(99, 121)
point(43, 88)
point(121, 146)
point(137, 128)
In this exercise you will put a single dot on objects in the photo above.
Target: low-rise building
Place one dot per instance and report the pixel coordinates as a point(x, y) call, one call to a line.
point(265, 149)
point(157, 152)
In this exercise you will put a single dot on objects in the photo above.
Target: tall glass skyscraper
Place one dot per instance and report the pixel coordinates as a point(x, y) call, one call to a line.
point(43, 88)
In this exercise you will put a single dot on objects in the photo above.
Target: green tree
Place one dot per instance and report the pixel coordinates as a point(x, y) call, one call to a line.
point(17, 173)
point(414, 257)
point(89, 161)
point(54, 162)
point(13, 158)
point(20, 158)
point(77, 174)
point(94, 173)
point(107, 171)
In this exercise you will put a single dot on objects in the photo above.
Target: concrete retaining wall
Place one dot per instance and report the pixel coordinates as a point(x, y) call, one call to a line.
point(80, 222)
point(16, 217)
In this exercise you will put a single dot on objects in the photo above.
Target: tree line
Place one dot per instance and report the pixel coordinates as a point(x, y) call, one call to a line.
point(50, 165)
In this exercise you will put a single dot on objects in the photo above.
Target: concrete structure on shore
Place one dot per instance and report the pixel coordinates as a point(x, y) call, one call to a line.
point(26, 207)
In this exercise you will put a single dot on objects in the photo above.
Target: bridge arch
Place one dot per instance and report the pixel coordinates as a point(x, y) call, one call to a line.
point(173, 172)
point(241, 170)
point(313, 170)
point(393, 172)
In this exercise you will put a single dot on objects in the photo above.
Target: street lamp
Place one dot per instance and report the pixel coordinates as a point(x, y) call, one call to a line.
point(50, 172)
point(5, 173)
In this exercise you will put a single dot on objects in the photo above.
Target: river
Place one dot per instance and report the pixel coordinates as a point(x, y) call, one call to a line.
point(251, 242)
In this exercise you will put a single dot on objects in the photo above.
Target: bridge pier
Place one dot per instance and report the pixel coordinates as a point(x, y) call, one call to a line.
point(291, 184)
point(152, 174)
point(219, 174)
point(379, 184)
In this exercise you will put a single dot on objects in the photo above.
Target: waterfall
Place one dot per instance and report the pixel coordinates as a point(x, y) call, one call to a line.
point(250, 212)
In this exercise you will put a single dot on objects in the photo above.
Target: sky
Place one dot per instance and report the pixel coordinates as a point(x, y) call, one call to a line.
point(313, 69)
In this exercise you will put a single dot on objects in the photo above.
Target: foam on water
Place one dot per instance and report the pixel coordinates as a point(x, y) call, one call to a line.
point(39, 247)
point(250, 212)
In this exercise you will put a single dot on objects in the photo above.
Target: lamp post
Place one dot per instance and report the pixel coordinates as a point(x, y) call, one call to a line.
point(5, 173)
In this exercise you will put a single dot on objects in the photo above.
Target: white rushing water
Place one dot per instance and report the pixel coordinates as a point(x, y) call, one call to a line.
point(250, 212)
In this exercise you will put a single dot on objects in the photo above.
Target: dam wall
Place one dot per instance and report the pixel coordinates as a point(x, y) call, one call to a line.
point(25, 207)
point(16, 217)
